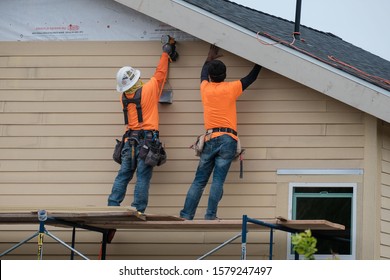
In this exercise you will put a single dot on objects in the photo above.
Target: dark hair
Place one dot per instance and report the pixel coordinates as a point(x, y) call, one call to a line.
point(217, 71)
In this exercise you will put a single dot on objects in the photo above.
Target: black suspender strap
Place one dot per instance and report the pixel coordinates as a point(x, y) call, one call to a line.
point(135, 100)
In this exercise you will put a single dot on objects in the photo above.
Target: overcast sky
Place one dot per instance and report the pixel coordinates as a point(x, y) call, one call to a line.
point(363, 23)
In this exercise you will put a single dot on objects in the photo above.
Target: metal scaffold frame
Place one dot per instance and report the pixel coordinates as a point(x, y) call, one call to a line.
point(107, 220)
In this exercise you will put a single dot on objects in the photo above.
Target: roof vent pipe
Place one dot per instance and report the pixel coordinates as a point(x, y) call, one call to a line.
point(297, 19)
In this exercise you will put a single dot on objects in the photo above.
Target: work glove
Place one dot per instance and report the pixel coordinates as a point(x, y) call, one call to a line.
point(167, 48)
point(213, 53)
point(170, 49)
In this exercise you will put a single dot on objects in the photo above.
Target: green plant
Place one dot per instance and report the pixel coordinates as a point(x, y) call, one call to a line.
point(304, 244)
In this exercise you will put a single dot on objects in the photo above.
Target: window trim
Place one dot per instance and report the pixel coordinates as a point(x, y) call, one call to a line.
point(293, 185)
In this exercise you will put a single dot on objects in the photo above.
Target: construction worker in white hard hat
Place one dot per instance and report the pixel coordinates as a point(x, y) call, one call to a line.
point(140, 105)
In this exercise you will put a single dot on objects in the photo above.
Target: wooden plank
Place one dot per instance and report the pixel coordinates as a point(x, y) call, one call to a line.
point(128, 218)
point(205, 225)
point(23, 214)
point(60, 209)
point(311, 224)
point(199, 225)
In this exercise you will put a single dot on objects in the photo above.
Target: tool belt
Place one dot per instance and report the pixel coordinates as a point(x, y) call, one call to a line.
point(151, 150)
point(222, 129)
point(198, 145)
point(201, 139)
point(142, 134)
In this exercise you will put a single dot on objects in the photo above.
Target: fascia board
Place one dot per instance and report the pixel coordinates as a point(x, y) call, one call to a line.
point(277, 58)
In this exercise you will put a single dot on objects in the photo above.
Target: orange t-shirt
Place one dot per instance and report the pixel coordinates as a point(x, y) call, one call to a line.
point(150, 96)
point(219, 105)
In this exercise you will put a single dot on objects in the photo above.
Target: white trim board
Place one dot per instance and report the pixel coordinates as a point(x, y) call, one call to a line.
point(319, 172)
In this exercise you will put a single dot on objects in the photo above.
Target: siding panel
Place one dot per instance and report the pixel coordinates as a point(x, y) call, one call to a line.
point(385, 192)
point(60, 115)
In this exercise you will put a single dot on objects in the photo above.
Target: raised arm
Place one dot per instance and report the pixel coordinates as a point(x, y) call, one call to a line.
point(162, 70)
point(251, 77)
point(213, 54)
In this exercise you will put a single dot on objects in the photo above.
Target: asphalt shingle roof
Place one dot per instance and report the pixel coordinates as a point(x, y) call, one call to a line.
point(319, 45)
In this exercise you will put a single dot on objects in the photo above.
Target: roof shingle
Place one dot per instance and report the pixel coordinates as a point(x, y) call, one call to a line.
point(319, 45)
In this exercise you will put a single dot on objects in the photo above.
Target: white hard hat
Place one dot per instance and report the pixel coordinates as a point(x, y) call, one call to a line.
point(126, 78)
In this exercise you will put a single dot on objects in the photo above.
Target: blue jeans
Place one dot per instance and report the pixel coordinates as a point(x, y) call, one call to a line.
point(131, 163)
point(218, 154)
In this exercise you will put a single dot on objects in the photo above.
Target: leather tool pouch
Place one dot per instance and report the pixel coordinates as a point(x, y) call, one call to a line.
point(198, 145)
point(152, 152)
point(117, 155)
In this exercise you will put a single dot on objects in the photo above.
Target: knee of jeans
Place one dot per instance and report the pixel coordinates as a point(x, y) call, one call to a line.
point(144, 172)
point(195, 192)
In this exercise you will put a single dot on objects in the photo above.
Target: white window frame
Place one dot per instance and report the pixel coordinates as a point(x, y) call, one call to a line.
point(352, 256)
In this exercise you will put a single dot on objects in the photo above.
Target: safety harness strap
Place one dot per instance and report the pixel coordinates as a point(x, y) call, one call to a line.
point(136, 99)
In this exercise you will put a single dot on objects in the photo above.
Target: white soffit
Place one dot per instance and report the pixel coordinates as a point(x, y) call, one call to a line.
point(278, 58)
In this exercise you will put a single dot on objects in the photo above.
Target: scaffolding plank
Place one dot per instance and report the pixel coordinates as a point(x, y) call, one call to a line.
point(311, 224)
point(113, 217)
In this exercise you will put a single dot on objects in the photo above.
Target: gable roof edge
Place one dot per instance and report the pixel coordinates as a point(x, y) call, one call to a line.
point(278, 58)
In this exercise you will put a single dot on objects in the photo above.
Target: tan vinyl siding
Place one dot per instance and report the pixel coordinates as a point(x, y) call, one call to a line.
point(385, 194)
point(60, 115)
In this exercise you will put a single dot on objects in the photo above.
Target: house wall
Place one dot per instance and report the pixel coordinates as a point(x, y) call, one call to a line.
point(385, 192)
point(60, 115)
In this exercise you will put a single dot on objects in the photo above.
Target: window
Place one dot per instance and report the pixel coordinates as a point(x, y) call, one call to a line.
point(333, 202)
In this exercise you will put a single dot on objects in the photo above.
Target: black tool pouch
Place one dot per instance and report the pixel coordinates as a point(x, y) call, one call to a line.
point(143, 149)
point(152, 152)
point(117, 155)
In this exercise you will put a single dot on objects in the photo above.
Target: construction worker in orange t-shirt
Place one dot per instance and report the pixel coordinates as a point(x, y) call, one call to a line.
point(220, 121)
point(141, 125)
